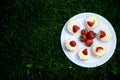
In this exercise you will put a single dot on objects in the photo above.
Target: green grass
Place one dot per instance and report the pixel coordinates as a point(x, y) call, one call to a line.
point(30, 46)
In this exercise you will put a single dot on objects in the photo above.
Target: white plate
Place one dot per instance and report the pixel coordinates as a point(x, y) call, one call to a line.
point(93, 61)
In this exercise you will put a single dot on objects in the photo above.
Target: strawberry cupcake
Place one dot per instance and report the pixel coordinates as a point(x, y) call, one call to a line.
point(73, 27)
point(71, 45)
point(104, 35)
point(92, 22)
point(99, 50)
point(84, 54)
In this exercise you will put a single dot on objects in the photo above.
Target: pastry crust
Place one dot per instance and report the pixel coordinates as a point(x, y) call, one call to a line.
point(82, 56)
point(100, 53)
point(69, 47)
point(70, 26)
point(107, 36)
point(92, 19)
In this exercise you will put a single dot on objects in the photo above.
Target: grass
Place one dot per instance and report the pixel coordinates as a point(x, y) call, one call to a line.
point(30, 39)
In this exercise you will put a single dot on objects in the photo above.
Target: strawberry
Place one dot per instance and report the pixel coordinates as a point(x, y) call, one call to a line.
point(85, 52)
point(90, 23)
point(91, 32)
point(73, 43)
point(89, 42)
point(102, 34)
point(75, 28)
point(99, 49)
point(84, 32)
point(91, 35)
point(83, 38)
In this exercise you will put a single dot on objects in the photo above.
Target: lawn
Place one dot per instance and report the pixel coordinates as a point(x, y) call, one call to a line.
point(30, 46)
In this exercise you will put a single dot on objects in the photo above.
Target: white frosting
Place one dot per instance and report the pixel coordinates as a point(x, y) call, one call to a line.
point(70, 26)
point(82, 56)
point(69, 47)
point(92, 19)
point(107, 36)
point(99, 53)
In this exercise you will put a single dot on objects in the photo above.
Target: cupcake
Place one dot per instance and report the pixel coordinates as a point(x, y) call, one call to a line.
point(84, 54)
point(104, 35)
point(73, 27)
point(92, 22)
point(99, 50)
point(71, 45)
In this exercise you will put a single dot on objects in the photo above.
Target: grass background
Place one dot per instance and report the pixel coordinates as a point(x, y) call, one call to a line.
point(30, 39)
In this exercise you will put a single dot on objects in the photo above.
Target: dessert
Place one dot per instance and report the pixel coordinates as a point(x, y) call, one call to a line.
point(87, 36)
point(73, 27)
point(104, 35)
point(71, 45)
point(99, 50)
point(92, 22)
point(84, 54)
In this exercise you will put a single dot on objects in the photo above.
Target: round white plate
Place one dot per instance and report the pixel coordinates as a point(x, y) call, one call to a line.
point(93, 61)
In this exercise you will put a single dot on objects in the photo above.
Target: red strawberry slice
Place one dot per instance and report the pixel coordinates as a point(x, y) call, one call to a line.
point(90, 23)
point(99, 49)
point(75, 28)
point(85, 52)
point(102, 34)
point(89, 42)
point(73, 43)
